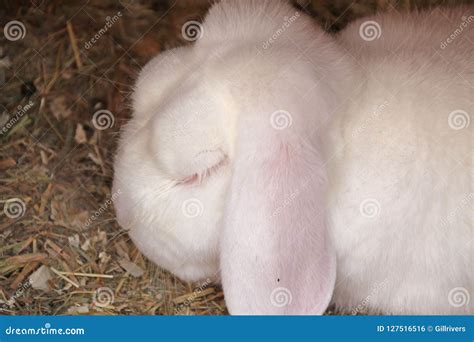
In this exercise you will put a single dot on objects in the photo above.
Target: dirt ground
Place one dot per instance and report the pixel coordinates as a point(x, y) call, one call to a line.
point(61, 250)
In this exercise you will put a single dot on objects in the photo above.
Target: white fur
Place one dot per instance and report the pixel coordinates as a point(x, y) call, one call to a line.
point(171, 218)
point(380, 111)
point(393, 144)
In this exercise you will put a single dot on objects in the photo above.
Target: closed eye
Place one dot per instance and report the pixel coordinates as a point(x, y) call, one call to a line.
point(208, 162)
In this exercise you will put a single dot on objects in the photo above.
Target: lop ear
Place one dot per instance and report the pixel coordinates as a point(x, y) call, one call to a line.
point(276, 256)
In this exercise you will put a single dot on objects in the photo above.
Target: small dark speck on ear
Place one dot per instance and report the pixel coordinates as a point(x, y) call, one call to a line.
point(278, 280)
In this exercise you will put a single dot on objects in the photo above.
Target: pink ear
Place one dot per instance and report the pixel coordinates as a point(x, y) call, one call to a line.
point(276, 256)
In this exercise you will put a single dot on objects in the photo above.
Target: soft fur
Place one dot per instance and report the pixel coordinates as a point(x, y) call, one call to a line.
point(369, 121)
point(393, 143)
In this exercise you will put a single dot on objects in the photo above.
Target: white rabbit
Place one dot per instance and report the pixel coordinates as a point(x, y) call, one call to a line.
point(245, 160)
point(210, 123)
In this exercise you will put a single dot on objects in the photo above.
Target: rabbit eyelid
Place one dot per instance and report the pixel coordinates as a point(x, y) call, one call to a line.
point(205, 171)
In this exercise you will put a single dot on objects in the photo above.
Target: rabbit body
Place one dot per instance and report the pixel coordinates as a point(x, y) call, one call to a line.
point(401, 168)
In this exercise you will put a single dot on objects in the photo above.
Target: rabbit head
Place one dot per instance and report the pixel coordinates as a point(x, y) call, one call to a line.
point(171, 169)
point(221, 168)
